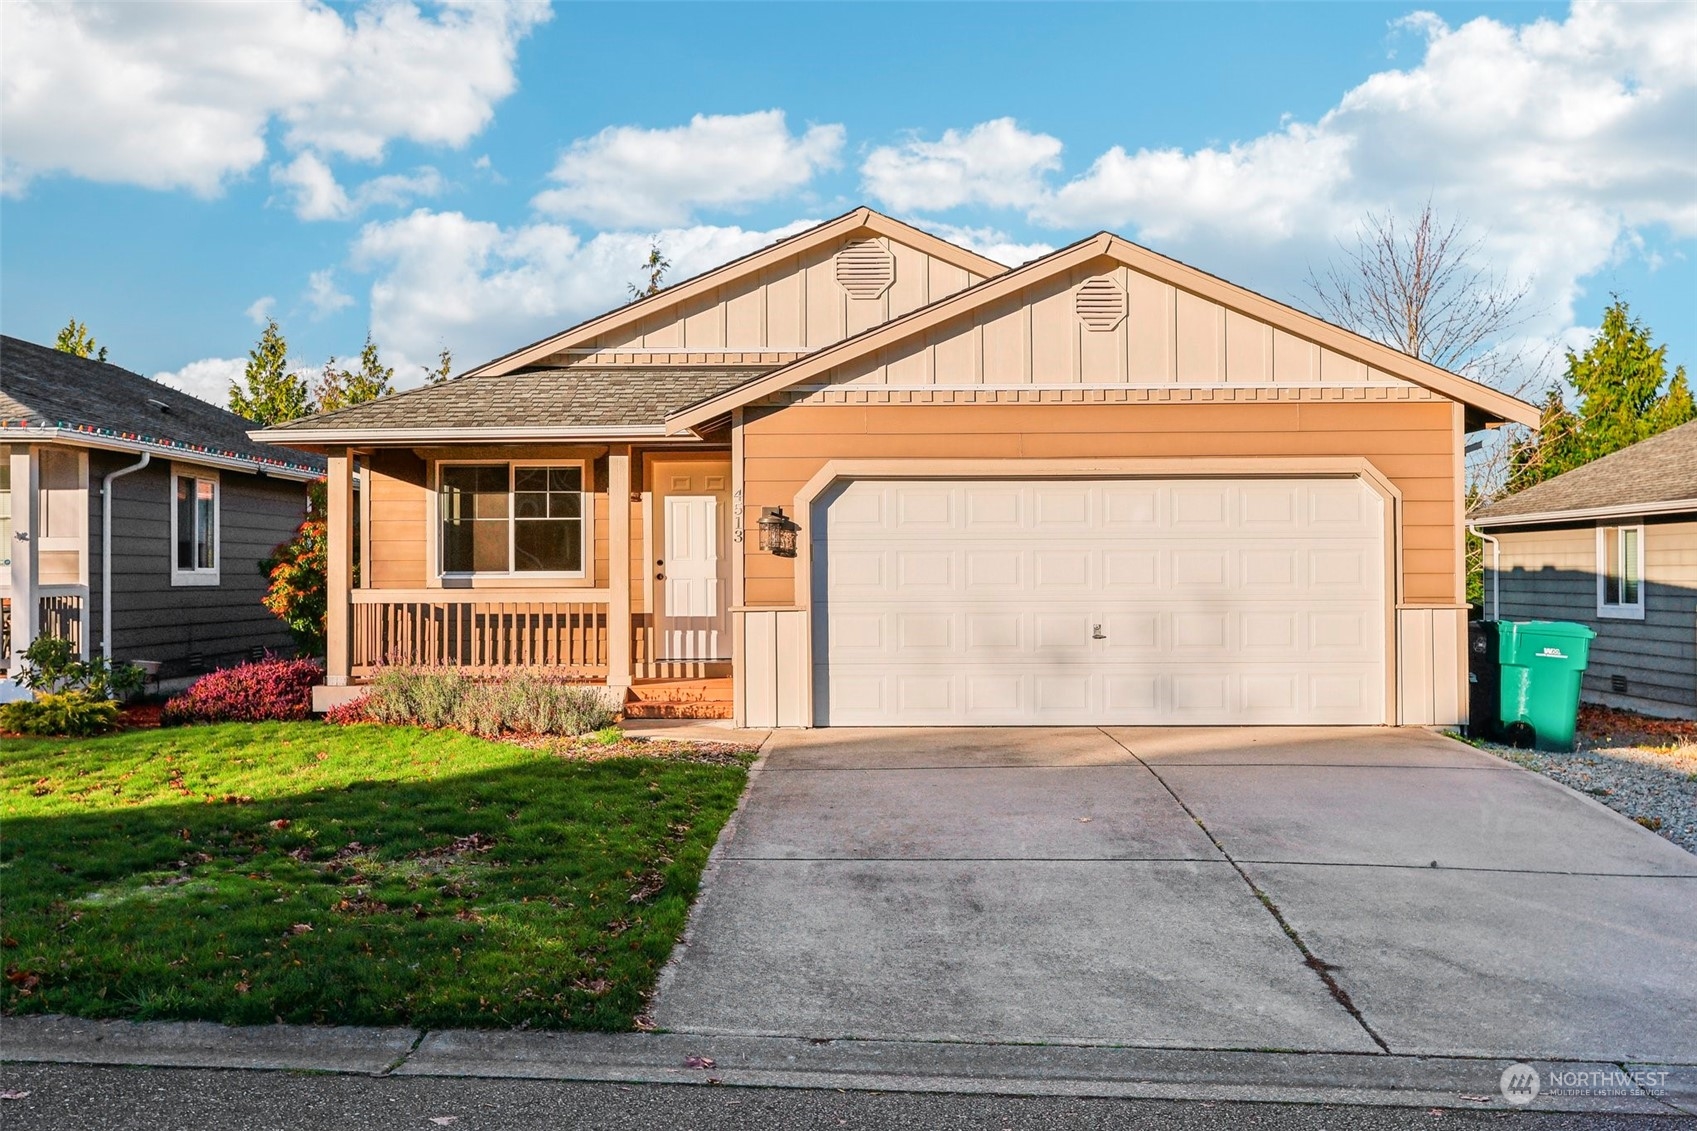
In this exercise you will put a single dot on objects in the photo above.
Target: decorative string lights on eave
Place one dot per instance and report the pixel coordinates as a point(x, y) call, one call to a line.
point(160, 442)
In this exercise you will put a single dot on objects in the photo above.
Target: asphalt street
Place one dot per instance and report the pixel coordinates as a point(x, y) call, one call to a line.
point(85, 1097)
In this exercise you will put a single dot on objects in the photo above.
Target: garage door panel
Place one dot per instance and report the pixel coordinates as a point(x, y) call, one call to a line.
point(1131, 602)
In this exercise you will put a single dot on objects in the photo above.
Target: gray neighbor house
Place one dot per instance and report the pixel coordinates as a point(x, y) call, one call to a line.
point(105, 468)
point(1612, 545)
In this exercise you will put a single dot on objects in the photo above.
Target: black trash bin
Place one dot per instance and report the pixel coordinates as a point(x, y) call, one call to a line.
point(1484, 681)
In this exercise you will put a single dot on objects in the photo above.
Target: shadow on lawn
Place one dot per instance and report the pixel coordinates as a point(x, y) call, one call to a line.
point(545, 894)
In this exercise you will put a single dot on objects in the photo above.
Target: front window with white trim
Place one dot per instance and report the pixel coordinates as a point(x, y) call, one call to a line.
point(512, 518)
point(194, 527)
point(1620, 572)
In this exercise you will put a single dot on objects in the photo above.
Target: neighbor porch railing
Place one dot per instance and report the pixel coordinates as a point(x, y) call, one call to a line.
point(480, 630)
point(60, 611)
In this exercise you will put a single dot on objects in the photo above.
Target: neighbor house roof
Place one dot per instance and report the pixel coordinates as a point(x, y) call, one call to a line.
point(46, 394)
point(534, 404)
point(860, 218)
point(1654, 476)
point(1489, 403)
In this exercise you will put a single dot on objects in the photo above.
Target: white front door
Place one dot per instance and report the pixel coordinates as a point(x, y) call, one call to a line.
point(1137, 602)
point(692, 608)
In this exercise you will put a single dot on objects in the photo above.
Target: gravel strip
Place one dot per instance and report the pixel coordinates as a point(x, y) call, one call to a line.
point(1655, 786)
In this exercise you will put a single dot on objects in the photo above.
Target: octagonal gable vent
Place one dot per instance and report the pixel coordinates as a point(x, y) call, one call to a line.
point(1100, 304)
point(865, 268)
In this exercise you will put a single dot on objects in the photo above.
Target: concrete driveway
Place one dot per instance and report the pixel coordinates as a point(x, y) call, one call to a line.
point(1352, 890)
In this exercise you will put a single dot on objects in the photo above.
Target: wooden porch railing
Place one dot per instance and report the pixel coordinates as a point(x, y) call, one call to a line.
point(476, 630)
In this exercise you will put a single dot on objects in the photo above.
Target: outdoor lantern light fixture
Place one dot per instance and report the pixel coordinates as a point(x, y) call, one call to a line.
point(777, 532)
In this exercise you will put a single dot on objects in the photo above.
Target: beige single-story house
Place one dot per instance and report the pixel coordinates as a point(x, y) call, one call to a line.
point(1611, 544)
point(867, 477)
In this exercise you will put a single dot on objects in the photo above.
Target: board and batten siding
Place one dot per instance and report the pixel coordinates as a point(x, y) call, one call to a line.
point(1551, 574)
point(1412, 443)
point(1166, 336)
point(155, 620)
point(790, 308)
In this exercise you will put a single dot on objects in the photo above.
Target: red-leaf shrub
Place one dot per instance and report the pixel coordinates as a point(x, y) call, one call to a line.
point(349, 713)
point(271, 690)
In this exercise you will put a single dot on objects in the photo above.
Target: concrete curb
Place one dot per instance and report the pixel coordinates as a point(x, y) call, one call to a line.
point(786, 1062)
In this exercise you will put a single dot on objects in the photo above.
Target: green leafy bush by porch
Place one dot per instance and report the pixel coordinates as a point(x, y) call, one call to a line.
point(72, 712)
point(69, 695)
point(364, 875)
point(523, 702)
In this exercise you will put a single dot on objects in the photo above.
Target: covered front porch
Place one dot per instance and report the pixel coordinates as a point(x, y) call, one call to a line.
point(608, 564)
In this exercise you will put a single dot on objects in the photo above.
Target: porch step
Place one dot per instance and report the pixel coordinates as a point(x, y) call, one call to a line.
point(680, 699)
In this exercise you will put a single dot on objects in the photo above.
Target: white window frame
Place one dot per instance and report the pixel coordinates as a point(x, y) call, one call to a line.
point(197, 576)
point(586, 473)
point(1605, 608)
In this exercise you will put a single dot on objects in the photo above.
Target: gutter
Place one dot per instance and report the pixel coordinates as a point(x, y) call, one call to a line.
point(106, 550)
point(1582, 514)
point(185, 455)
point(1494, 610)
point(320, 437)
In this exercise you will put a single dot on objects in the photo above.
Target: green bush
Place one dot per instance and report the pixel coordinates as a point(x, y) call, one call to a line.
point(522, 703)
point(51, 664)
point(74, 713)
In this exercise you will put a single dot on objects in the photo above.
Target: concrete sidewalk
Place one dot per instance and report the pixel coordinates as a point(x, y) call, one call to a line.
point(904, 1066)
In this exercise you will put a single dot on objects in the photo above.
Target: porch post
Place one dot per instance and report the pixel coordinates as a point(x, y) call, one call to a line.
point(618, 566)
point(339, 517)
point(26, 506)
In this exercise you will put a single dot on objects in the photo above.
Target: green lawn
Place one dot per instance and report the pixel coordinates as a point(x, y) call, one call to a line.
point(368, 875)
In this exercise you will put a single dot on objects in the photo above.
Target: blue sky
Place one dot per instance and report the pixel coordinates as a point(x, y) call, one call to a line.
point(477, 177)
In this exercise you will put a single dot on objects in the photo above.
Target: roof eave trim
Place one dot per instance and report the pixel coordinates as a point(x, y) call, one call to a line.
point(1495, 404)
point(170, 451)
point(862, 217)
point(337, 436)
point(1583, 514)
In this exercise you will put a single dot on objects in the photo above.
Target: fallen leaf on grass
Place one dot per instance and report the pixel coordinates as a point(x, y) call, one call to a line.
point(444, 1120)
point(299, 929)
point(12, 1095)
point(279, 824)
point(242, 987)
point(1085, 820)
point(698, 1062)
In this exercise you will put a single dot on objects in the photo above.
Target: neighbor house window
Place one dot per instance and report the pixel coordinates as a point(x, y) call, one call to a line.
point(1620, 572)
point(500, 518)
point(194, 527)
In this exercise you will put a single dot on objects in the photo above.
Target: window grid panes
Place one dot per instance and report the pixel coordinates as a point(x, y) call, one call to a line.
point(501, 518)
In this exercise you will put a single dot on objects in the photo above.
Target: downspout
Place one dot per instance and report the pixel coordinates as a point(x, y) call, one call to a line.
point(106, 551)
point(1494, 610)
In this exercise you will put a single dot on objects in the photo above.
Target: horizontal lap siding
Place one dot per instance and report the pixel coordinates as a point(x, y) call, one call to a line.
point(399, 508)
point(155, 620)
point(1411, 443)
point(1551, 575)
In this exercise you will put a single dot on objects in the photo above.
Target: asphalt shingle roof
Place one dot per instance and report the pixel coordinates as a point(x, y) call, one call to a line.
point(40, 386)
point(1662, 469)
point(611, 398)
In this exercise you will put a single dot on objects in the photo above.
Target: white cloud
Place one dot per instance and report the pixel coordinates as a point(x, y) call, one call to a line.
point(630, 177)
point(259, 312)
point(209, 379)
point(484, 289)
point(1560, 143)
point(323, 296)
point(316, 195)
point(994, 163)
point(992, 243)
point(182, 96)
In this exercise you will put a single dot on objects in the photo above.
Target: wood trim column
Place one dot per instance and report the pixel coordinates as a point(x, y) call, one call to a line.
point(619, 567)
point(338, 611)
point(26, 507)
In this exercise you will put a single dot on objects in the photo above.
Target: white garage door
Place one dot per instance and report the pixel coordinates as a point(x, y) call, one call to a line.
point(1090, 602)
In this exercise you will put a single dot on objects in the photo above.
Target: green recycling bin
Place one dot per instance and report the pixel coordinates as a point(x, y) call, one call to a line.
point(1542, 662)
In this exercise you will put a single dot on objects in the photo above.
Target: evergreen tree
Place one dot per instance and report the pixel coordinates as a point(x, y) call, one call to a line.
point(75, 339)
point(1624, 394)
point(339, 388)
point(444, 368)
point(272, 394)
